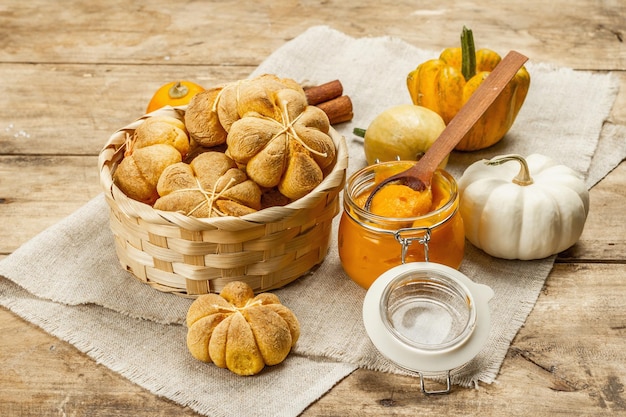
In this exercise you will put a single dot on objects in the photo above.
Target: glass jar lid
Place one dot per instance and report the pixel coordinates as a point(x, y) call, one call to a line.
point(427, 317)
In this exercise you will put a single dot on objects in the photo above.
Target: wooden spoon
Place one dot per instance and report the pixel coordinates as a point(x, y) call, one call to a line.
point(420, 175)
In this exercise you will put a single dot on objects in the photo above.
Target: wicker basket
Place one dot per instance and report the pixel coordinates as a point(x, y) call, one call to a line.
point(190, 256)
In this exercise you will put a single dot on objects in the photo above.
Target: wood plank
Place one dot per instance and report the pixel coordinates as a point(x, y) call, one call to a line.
point(59, 380)
point(604, 236)
point(36, 192)
point(576, 33)
point(73, 109)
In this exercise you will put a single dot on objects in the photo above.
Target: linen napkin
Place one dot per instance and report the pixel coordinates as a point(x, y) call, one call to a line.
point(68, 281)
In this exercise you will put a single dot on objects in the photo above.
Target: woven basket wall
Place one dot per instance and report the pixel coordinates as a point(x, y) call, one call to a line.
point(191, 256)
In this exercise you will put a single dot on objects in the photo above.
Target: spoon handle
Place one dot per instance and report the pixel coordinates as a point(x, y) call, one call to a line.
point(470, 112)
point(420, 175)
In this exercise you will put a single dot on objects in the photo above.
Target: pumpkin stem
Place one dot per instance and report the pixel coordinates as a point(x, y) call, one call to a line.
point(523, 177)
point(468, 54)
point(178, 90)
point(358, 131)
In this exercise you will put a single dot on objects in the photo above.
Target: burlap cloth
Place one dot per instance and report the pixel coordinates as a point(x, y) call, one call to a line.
point(67, 280)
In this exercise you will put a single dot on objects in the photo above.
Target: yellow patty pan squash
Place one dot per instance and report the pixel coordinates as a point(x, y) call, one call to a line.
point(526, 210)
point(445, 84)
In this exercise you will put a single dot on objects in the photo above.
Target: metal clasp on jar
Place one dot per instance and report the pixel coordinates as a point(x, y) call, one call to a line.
point(424, 238)
point(405, 242)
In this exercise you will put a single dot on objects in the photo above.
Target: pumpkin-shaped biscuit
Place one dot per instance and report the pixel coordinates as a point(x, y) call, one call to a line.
point(252, 96)
point(159, 130)
point(287, 147)
point(239, 331)
point(137, 174)
point(202, 120)
point(210, 185)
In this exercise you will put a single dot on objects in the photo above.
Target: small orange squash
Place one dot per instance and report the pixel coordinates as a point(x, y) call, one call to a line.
point(175, 93)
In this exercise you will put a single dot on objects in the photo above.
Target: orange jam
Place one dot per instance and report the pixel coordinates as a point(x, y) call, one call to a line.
point(370, 244)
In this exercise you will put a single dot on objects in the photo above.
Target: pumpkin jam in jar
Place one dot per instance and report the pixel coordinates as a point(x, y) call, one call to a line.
point(370, 244)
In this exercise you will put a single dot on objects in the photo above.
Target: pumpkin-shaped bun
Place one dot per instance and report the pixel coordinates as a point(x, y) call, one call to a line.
point(210, 186)
point(239, 331)
point(202, 121)
point(160, 129)
point(138, 174)
point(272, 131)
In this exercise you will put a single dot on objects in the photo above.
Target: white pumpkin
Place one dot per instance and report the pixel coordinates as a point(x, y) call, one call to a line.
point(524, 213)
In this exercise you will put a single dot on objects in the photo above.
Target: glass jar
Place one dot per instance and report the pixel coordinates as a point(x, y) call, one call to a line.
point(427, 318)
point(370, 244)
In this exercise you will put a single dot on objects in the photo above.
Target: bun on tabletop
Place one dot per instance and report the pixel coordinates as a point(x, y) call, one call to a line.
point(240, 331)
point(274, 145)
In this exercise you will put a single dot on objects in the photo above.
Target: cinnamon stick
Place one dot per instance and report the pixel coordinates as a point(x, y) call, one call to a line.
point(323, 92)
point(338, 109)
point(329, 98)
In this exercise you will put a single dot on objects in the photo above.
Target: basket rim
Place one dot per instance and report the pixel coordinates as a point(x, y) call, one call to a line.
point(110, 155)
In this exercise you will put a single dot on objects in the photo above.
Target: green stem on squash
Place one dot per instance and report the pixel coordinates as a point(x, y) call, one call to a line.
point(359, 132)
point(468, 54)
point(523, 177)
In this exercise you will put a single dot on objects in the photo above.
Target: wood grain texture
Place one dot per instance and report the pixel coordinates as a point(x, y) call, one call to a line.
point(579, 34)
point(72, 109)
point(43, 376)
point(73, 73)
point(38, 191)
